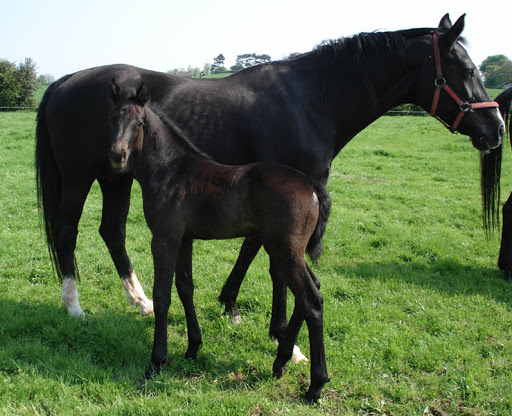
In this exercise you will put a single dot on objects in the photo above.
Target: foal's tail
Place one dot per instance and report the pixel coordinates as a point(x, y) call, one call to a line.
point(490, 168)
point(314, 248)
point(48, 180)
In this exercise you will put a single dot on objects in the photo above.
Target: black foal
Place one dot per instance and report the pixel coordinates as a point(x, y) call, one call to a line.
point(189, 196)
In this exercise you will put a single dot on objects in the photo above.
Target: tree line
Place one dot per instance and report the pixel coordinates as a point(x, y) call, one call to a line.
point(18, 82)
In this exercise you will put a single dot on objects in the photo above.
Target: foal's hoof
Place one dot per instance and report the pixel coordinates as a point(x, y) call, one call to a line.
point(191, 353)
point(311, 397)
point(279, 372)
point(154, 369)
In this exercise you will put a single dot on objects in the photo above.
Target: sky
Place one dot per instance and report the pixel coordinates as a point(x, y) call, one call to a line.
point(64, 36)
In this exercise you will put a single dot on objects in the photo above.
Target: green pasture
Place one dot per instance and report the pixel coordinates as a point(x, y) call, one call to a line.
point(417, 319)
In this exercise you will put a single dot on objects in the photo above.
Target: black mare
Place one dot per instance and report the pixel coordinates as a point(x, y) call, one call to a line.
point(298, 112)
point(189, 196)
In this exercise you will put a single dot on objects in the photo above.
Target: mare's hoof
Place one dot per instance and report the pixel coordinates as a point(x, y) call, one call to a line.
point(234, 314)
point(147, 309)
point(507, 274)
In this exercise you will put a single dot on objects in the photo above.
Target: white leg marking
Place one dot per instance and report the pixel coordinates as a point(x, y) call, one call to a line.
point(136, 296)
point(70, 297)
point(297, 356)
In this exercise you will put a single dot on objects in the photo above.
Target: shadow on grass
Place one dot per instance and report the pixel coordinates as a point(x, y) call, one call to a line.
point(42, 341)
point(446, 276)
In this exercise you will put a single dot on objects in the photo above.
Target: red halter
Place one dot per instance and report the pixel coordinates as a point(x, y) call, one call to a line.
point(441, 84)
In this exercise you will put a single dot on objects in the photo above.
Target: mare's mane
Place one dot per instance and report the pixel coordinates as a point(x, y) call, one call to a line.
point(354, 48)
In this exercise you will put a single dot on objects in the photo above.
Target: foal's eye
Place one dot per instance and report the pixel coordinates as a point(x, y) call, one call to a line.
point(470, 72)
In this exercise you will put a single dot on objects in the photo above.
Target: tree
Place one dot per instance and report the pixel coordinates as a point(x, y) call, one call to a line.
point(27, 73)
point(45, 79)
point(17, 83)
point(9, 90)
point(497, 70)
point(218, 62)
point(251, 59)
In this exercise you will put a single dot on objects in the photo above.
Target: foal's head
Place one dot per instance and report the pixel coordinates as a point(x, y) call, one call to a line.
point(126, 123)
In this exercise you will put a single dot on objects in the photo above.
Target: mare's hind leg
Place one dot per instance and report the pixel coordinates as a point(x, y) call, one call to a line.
point(185, 287)
point(116, 204)
point(229, 293)
point(64, 233)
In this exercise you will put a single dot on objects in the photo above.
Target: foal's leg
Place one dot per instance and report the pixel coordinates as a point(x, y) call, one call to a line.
point(185, 287)
point(165, 251)
point(278, 322)
point(64, 231)
point(308, 307)
point(229, 293)
point(116, 204)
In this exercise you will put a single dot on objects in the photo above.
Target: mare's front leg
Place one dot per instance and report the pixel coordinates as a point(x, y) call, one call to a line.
point(505, 256)
point(185, 287)
point(116, 204)
point(229, 293)
point(165, 251)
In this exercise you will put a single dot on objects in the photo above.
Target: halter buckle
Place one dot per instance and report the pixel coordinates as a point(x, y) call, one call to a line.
point(440, 82)
point(465, 107)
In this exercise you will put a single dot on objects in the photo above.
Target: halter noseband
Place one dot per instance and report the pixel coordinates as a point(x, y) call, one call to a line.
point(441, 84)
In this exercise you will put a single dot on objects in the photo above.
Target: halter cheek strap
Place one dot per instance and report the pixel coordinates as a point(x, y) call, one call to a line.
point(441, 84)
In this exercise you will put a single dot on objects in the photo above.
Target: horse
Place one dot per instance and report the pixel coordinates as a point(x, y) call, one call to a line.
point(187, 196)
point(491, 163)
point(299, 112)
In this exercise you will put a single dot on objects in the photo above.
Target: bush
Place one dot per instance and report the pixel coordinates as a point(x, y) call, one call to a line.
point(17, 83)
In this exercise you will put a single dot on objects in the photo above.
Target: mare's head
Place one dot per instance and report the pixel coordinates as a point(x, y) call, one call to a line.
point(126, 122)
point(449, 86)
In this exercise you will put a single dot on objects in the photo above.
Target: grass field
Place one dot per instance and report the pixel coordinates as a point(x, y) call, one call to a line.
point(417, 318)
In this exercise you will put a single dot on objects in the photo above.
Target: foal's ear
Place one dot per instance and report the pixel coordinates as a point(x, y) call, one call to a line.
point(448, 38)
point(142, 95)
point(113, 89)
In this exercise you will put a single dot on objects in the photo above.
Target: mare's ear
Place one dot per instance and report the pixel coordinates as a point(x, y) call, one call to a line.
point(113, 89)
point(142, 95)
point(448, 38)
point(445, 22)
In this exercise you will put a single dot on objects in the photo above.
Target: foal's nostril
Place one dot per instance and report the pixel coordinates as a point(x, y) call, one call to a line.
point(117, 157)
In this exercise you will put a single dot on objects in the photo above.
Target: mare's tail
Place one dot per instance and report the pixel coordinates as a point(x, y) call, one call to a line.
point(490, 169)
point(48, 180)
point(314, 248)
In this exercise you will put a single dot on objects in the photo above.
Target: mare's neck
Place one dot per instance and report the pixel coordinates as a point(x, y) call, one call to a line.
point(373, 73)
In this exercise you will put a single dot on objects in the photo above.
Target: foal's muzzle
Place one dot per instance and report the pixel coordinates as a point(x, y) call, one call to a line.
point(118, 159)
